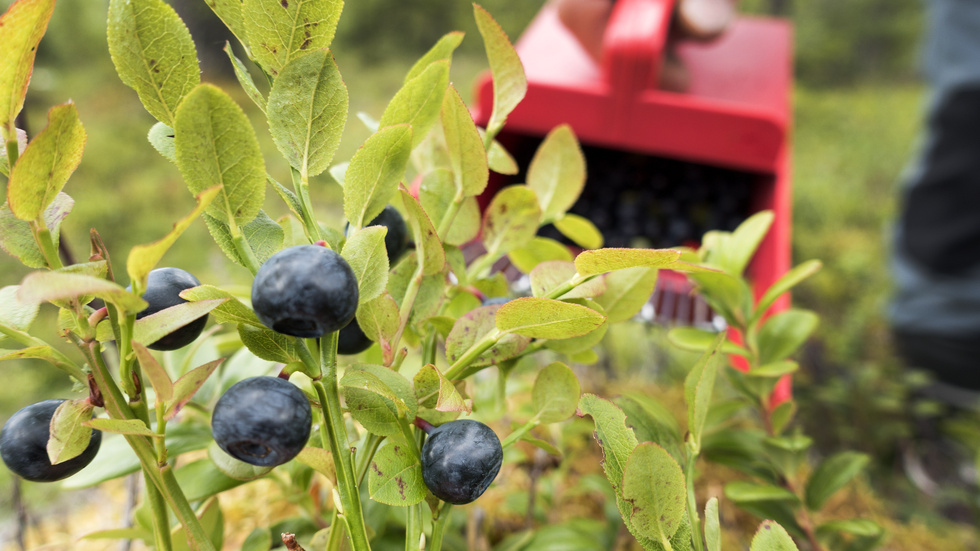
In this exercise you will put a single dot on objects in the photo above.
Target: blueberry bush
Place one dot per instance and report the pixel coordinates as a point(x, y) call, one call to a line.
point(409, 292)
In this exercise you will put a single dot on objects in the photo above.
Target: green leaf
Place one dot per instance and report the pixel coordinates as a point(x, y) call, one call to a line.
point(712, 527)
point(436, 193)
point(231, 310)
point(651, 421)
point(377, 397)
point(511, 220)
point(14, 312)
point(698, 386)
point(242, 74)
point(212, 522)
point(782, 415)
point(21, 29)
point(201, 479)
point(579, 229)
point(856, 526)
point(500, 161)
point(467, 156)
point(626, 292)
point(727, 295)
point(431, 291)
point(784, 333)
point(427, 244)
point(119, 534)
point(230, 13)
point(434, 391)
point(122, 426)
point(509, 81)
point(653, 483)
point(576, 345)
point(699, 340)
point(442, 50)
point(607, 260)
point(547, 319)
point(365, 252)
point(748, 492)
point(216, 144)
point(789, 280)
point(233, 468)
point(419, 101)
point(280, 31)
point(259, 539)
point(475, 325)
point(161, 137)
point(831, 475)
point(263, 235)
point(557, 175)
point(774, 369)
point(17, 239)
point(267, 344)
point(613, 435)
point(21, 146)
point(772, 537)
point(50, 158)
point(536, 251)
point(375, 169)
point(395, 476)
point(188, 384)
point(378, 318)
point(158, 376)
point(143, 258)
point(556, 393)
point(745, 240)
point(51, 286)
point(549, 275)
point(307, 111)
point(69, 436)
point(154, 54)
point(150, 329)
point(320, 460)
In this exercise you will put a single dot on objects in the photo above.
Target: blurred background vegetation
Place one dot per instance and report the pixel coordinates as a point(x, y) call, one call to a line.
point(857, 110)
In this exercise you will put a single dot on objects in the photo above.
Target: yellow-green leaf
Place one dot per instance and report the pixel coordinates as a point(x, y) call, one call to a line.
point(374, 172)
point(427, 245)
point(52, 286)
point(419, 101)
point(467, 155)
point(601, 261)
point(509, 81)
point(69, 436)
point(579, 229)
point(557, 173)
point(511, 220)
point(21, 29)
point(280, 31)
point(547, 319)
point(365, 252)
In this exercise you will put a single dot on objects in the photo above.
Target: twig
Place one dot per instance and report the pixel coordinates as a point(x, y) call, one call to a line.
point(290, 541)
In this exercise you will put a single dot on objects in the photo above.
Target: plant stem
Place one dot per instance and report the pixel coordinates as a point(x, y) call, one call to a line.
point(366, 456)
point(333, 433)
point(245, 252)
point(413, 526)
point(517, 434)
point(405, 312)
point(161, 520)
point(301, 184)
point(479, 347)
point(13, 151)
point(449, 216)
point(439, 527)
point(692, 504)
point(126, 353)
point(46, 243)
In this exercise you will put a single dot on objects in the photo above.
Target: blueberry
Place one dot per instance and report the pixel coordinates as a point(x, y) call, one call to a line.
point(496, 301)
point(305, 291)
point(263, 421)
point(163, 287)
point(24, 441)
point(460, 459)
point(396, 240)
point(352, 340)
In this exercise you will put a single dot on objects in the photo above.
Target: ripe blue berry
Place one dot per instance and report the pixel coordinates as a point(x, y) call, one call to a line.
point(305, 291)
point(163, 287)
point(352, 340)
point(24, 441)
point(263, 421)
point(460, 459)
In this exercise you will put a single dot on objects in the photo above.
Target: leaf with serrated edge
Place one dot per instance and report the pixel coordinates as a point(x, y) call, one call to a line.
point(427, 244)
point(263, 235)
point(435, 391)
point(500, 161)
point(419, 101)
point(378, 317)
point(244, 77)
point(216, 144)
point(551, 274)
point(281, 31)
point(538, 250)
point(267, 344)
point(374, 172)
point(789, 280)
point(143, 258)
point(16, 237)
point(21, 29)
point(654, 485)
point(307, 111)
point(832, 475)
point(161, 137)
point(230, 13)
point(68, 435)
point(365, 252)
point(607, 260)
point(14, 312)
point(154, 54)
point(21, 146)
point(395, 476)
point(155, 372)
point(150, 329)
point(511, 220)
point(50, 158)
point(555, 394)
point(699, 340)
point(51, 286)
point(122, 426)
point(436, 193)
point(320, 460)
point(547, 319)
point(712, 527)
point(188, 384)
point(626, 292)
point(231, 310)
point(473, 326)
point(509, 81)
point(467, 156)
point(374, 402)
point(745, 240)
point(442, 50)
point(784, 333)
point(557, 173)
point(579, 229)
point(698, 387)
point(612, 433)
point(772, 537)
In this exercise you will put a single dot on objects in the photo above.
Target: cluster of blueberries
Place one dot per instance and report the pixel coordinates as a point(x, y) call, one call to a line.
point(304, 291)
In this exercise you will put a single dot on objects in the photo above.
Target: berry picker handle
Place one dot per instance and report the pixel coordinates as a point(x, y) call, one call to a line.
point(634, 44)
